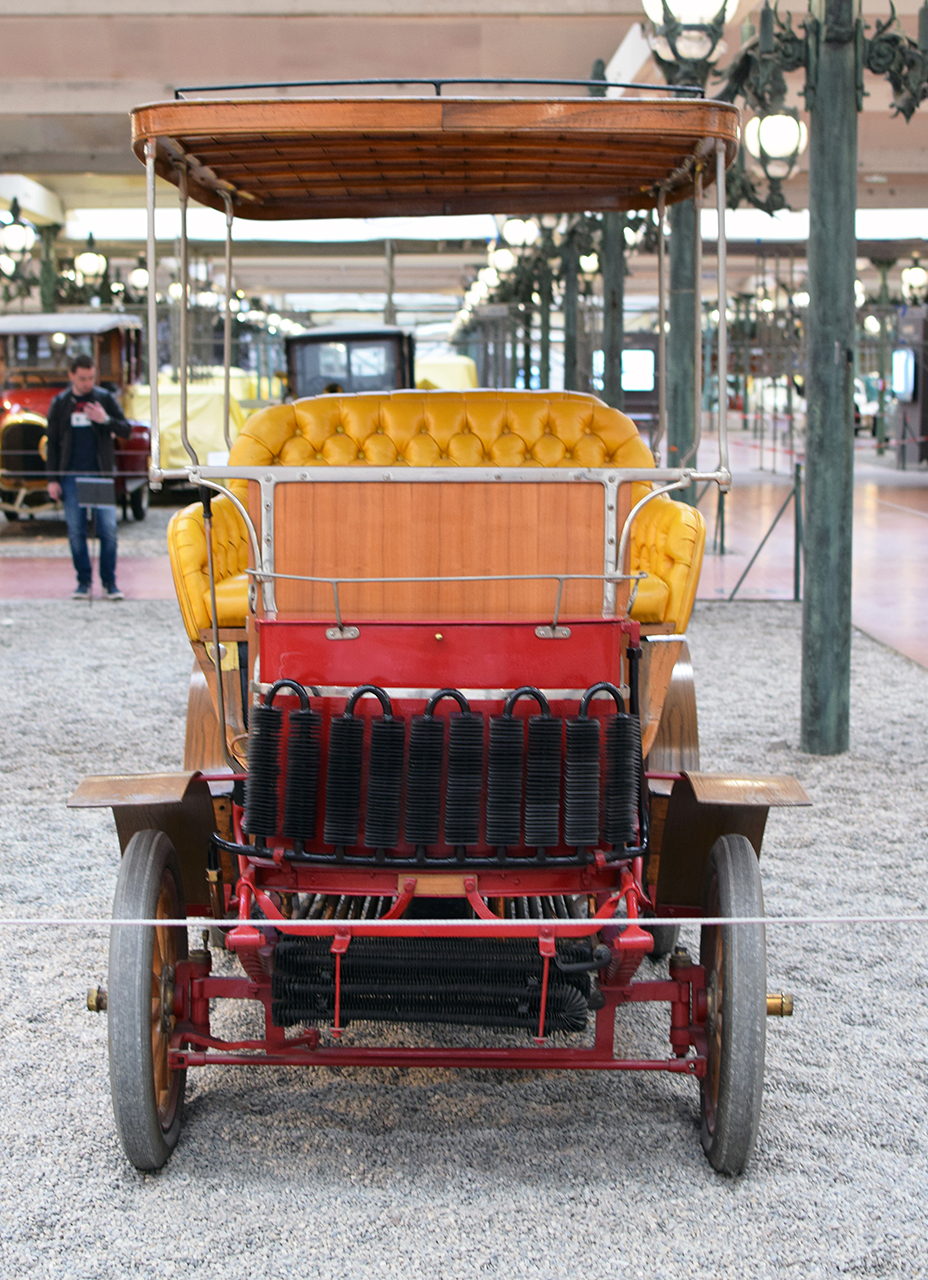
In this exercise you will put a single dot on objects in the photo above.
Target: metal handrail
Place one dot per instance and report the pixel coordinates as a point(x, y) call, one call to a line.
point(265, 575)
point(438, 82)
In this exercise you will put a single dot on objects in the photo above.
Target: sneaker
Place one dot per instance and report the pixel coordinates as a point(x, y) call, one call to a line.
point(80, 592)
point(112, 593)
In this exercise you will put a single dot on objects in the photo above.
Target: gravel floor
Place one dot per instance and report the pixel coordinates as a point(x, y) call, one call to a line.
point(422, 1173)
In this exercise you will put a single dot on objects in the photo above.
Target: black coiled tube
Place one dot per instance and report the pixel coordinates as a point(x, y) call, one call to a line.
point(343, 781)
point(301, 800)
point(465, 779)
point(260, 817)
point(504, 782)
point(581, 783)
point(423, 784)
point(623, 760)
point(384, 783)
point(543, 782)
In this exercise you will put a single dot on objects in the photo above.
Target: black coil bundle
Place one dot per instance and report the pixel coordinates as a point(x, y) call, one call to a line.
point(581, 782)
point(543, 782)
point(491, 982)
point(623, 779)
point(302, 794)
point(465, 779)
point(504, 782)
point(384, 783)
point(264, 734)
point(423, 781)
point(343, 780)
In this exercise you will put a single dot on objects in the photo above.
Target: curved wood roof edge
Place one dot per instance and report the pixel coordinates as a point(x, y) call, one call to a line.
point(684, 129)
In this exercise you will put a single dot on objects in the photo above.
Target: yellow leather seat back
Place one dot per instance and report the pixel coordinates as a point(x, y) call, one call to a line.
point(441, 429)
point(486, 428)
point(667, 542)
point(187, 549)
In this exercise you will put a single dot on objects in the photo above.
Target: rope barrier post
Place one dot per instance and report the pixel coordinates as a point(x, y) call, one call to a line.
point(797, 534)
point(763, 543)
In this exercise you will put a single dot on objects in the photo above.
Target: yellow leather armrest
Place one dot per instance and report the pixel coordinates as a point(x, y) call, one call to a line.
point(231, 601)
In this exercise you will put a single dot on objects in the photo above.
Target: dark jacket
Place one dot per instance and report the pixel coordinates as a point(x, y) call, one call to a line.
point(59, 431)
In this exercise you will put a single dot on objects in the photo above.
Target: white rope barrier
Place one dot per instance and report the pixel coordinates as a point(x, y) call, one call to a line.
point(475, 926)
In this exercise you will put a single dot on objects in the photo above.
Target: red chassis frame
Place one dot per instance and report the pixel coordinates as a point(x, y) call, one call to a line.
point(403, 656)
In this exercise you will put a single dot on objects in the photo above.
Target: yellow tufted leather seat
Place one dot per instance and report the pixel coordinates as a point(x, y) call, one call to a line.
point(435, 429)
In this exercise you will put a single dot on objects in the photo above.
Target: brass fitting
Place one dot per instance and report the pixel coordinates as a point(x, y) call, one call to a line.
point(779, 1004)
point(216, 896)
point(96, 999)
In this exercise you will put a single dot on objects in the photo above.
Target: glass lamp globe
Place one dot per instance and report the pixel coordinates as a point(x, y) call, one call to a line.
point(776, 141)
point(138, 278)
point(17, 238)
point(91, 265)
point(503, 259)
point(687, 12)
point(914, 280)
point(589, 264)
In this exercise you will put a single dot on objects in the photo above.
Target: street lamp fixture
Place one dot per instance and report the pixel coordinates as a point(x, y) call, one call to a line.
point(687, 36)
point(137, 278)
point(520, 232)
point(17, 237)
point(776, 141)
point(914, 282)
point(91, 265)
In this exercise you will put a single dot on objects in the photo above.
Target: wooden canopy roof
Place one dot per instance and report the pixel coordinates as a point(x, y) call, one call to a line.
point(389, 157)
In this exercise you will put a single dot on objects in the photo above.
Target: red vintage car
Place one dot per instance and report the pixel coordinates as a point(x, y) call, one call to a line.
point(35, 351)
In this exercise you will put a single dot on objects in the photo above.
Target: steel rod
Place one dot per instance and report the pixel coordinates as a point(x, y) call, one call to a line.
point(661, 329)
point(152, 263)
point(227, 329)
point(677, 89)
point(722, 272)
point(184, 313)
point(692, 451)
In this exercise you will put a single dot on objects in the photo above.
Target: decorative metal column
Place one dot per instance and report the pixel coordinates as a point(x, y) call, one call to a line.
point(570, 266)
point(681, 340)
point(48, 268)
point(834, 50)
point(612, 260)
point(826, 630)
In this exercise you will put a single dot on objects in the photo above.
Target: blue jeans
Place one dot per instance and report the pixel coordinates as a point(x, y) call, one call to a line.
point(76, 519)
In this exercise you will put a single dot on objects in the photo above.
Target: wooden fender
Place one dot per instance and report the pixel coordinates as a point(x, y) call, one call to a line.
point(179, 804)
point(700, 808)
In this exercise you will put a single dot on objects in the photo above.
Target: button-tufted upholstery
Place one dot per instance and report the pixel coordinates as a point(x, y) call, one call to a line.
point(435, 429)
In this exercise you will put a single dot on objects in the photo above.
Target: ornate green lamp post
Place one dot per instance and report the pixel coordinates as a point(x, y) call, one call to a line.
point(834, 49)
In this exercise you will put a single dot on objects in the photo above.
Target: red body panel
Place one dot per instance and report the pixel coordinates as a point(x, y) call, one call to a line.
point(436, 655)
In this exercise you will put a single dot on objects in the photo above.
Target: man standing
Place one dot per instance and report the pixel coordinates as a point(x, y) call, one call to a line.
point(82, 422)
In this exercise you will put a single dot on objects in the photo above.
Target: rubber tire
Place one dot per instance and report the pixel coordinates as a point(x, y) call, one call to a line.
point(149, 865)
point(138, 501)
point(736, 957)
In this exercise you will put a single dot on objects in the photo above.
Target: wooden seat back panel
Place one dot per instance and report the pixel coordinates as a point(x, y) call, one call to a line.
point(399, 529)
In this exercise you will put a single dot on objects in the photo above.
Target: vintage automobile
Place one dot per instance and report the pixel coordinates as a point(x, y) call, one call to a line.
point(442, 759)
point(35, 350)
point(347, 360)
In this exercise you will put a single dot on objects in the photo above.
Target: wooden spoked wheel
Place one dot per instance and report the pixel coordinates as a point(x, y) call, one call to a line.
point(147, 1094)
point(734, 958)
